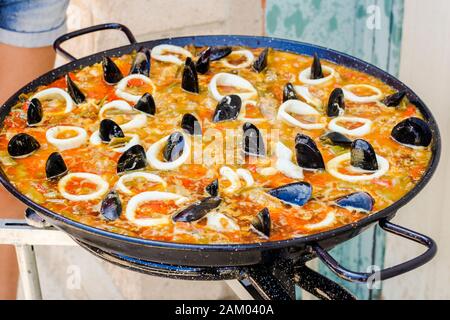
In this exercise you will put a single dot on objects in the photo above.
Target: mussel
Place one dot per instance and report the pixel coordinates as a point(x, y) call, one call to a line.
point(228, 108)
point(413, 132)
point(395, 99)
point(297, 193)
point(55, 167)
point(109, 129)
point(111, 72)
point(261, 222)
point(35, 112)
point(359, 201)
point(363, 156)
point(142, 62)
point(191, 125)
point(213, 188)
point(132, 159)
point(146, 104)
point(336, 138)
point(75, 93)
point(253, 142)
point(189, 81)
point(336, 103)
point(260, 63)
point(197, 210)
point(289, 92)
point(202, 64)
point(307, 153)
point(174, 147)
point(22, 145)
point(111, 207)
point(218, 53)
point(316, 68)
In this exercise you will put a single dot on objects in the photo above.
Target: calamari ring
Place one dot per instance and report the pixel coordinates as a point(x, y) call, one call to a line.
point(102, 186)
point(155, 149)
point(231, 80)
point(122, 86)
point(68, 143)
point(300, 108)
point(247, 63)
point(215, 219)
point(329, 221)
point(333, 166)
point(309, 98)
point(284, 162)
point(130, 176)
point(138, 121)
point(362, 99)
point(158, 53)
point(357, 132)
point(305, 76)
point(54, 93)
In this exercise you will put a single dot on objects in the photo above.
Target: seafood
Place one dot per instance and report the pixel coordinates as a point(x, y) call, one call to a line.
point(413, 132)
point(203, 61)
point(261, 62)
point(189, 80)
point(55, 167)
point(142, 62)
point(395, 99)
point(261, 222)
point(22, 145)
point(358, 201)
point(75, 93)
point(228, 108)
point(146, 104)
point(34, 113)
point(191, 125)
point(307, 153)
point(253, 142)
point(111, 207)
point(132, 159)
point(297, 194)
point(197, 210)
point(111, 72)
point(336, 103)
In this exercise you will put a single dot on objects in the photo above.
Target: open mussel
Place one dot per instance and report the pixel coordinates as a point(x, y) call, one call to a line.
point(307, 153)
point(189, 81)
point(142, 62)
point(260, 63)
point(395, 99)
point(363, 156)
point(146, 104)
point(261, 222)
point(218, 53)
point(296, 194)
point(359, 201)
point(204, 59)
point(75, 93)
point(289, 92)
point(111, 72)
point(336, 139)
point(35, 112)
point(336, 103)
point(253, 142)
point(316, 68)
point(228, 108)
point(109, 130)
point(413, 132)
point(111, 207)
point(132, 159)
point(55, 167)
point(191, 125)
point(22, 145)
point(174, 147)
point(213, 188)
point(197, 210)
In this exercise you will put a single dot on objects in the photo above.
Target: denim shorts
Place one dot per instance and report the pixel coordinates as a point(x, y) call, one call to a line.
point(32, 23)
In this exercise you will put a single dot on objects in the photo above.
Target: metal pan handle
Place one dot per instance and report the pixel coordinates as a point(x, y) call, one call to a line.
point(388, 272)
point(77, 33)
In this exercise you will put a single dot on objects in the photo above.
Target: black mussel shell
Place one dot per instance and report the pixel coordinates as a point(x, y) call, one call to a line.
point(296, 193)
point(75, 93)
point(197, 210)
point(395, 99)
point(363, 156)
point(336, 138)
point(132, 159)
point(111, 72)
point(22, 145)
point(142, 62)
point(261, 62)
point(174, 147)
point(228, 108)
point(109, 129)
point(413, 132)
point(253, 142)
point(289, 92)
point(189, 81)
point(359, 201)
point(146, 104)
point(55, 166)
point(204, 59)
point(336, 103)
point(191, 125)
point(218, 53)
point(316, 68)
point(35, 112)
point(213, 188)
point(111, 207)
point(261, 222)
point(307, 153)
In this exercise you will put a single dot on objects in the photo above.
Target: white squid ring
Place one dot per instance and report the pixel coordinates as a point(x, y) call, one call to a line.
point(214, 221)
point(155, 150)
point(158, 53)
point(69, 143)
point(246, 53)
point(122, 86)
point(333, 166)
point(137, 200)
point(138, 121)
point(300, 108)
point(362, 99)
point(102, 186)
point(357, 132)
point(53, 93)
point(130, 176)
point(329, 220)
point(305, 76)
point(309, 98)
point(231, 80)
point(284, 162)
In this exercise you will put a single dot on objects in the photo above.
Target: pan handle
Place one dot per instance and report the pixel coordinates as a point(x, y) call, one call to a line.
point(77, 33)
point(388, 272)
